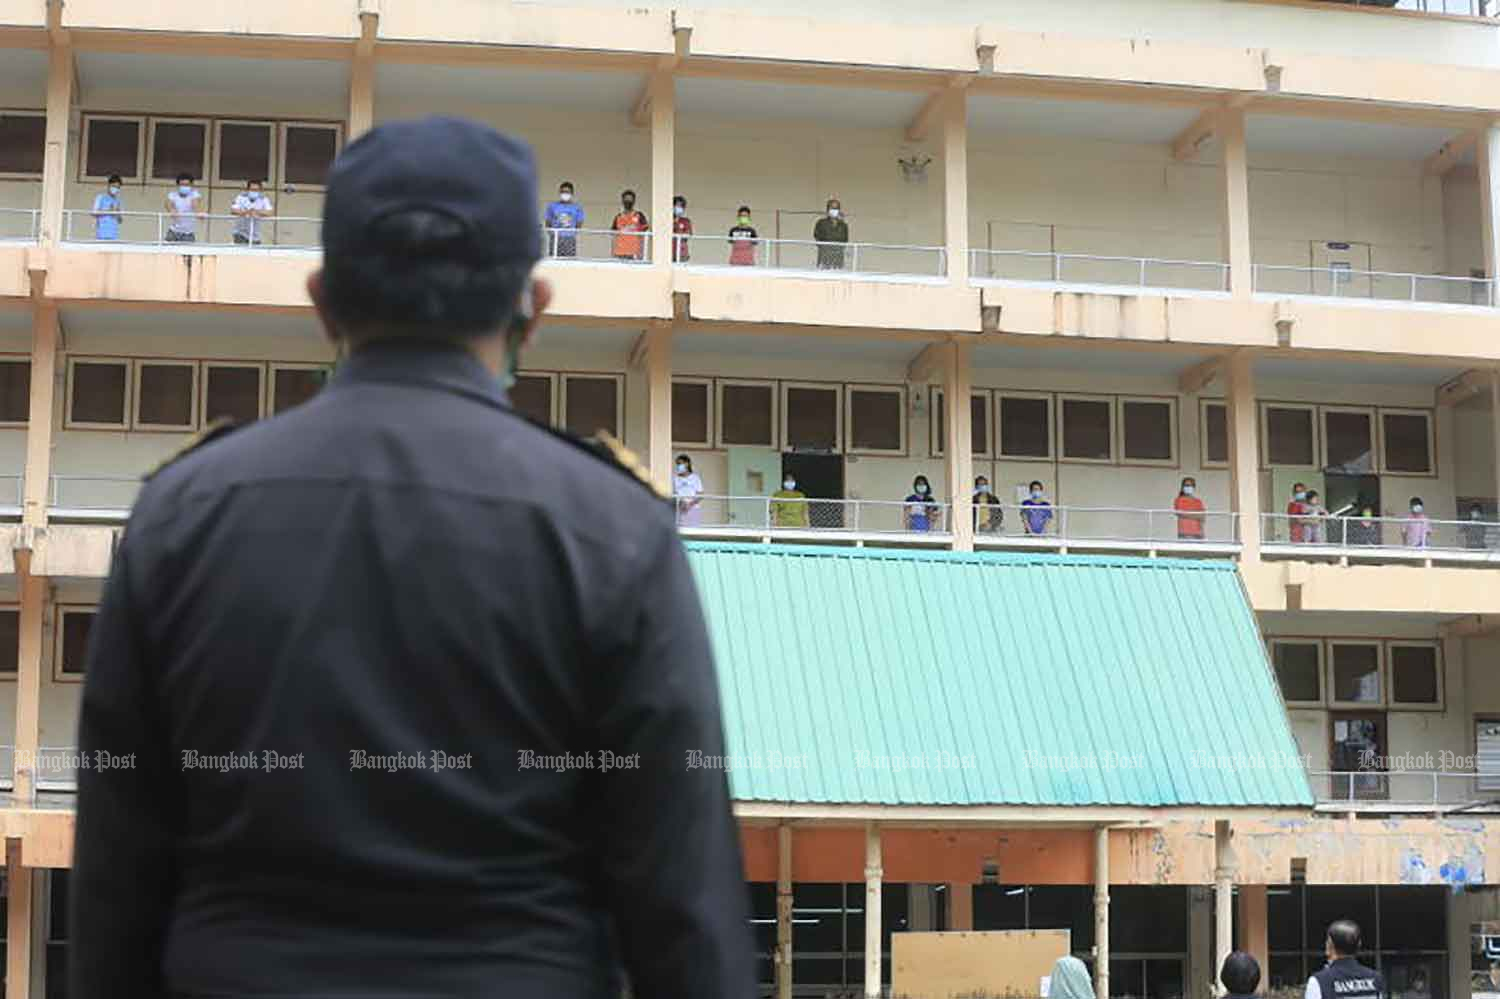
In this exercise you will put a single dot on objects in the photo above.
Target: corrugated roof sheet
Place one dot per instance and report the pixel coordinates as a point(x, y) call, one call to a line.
point(937, 678)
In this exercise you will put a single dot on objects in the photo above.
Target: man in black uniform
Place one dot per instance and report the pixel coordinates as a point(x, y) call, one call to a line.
point(1343, 977)
point(407, 684)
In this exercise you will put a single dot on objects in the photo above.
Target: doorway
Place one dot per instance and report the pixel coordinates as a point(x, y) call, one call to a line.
point(1340, 269)
point(1345, 496)
point(819, 477)
point(1356, 755)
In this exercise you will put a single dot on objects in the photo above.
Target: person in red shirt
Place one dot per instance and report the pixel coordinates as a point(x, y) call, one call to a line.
point(682, 228)
point(1189, 511)
point(743, 240)
point(1296, 510)
point(627, 222)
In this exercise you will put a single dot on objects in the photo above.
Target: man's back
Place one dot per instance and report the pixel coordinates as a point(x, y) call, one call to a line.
point(1346, 978)
point(440, 621)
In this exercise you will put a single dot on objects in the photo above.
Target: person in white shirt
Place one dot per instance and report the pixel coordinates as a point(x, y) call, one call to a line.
point(182, 207)
point(248, 208)
point(688, 488)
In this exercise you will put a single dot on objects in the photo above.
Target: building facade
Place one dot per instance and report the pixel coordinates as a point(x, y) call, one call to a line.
point(1099, 245)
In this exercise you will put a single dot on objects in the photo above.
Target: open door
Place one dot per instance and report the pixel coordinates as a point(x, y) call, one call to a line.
point(753, 472)
point(821, 477)
point(1357, 755)
point(1341, 269)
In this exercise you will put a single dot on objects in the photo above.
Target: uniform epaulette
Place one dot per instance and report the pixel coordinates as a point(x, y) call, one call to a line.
point(606, 447)
point(214, 431)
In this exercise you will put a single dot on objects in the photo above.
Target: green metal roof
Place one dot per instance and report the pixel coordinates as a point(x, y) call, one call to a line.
point(862, 676)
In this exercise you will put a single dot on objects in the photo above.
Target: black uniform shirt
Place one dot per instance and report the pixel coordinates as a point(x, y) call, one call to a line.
point(403, 568)
point(1346, 978)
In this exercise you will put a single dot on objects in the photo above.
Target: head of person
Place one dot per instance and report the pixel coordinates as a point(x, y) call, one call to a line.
point(1419, 980)
point(744, 214)
point(1299, 491)
point(684, 465)
point(1476, 512)
point(1367, 509)
point(627, 199)
point(834, 208)
point(1189, 486)
point(430, 234)
point(981, 485)
point(679, 205)
point(184, 182)
point(114, 183)
point(1312, 496)
point(1343, 939)
point(253, 187)
point(920, 486)
point(1495, 972)
point(565, 191)
point(1416, 504)
point(1070, 979)
point(1240, 974)
point(788, 481)
point(1036, 490)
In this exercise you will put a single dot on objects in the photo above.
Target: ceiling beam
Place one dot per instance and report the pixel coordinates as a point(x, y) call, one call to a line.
point(640, 112)
point(1188, 141)
point(1197, 378)
point(1475, 381)
point(929, 358)
point(921, 124)
point(1447, 157)
point(1470, 626)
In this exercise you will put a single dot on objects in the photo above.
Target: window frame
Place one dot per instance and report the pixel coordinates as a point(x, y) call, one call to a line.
point(554, 414)
point(202, 175)
point(1390, 678)
point(1381, 675)
point(282, 128)
point(1317, 643)
point(1426, 414)
point(1059, 447)
point(935, 443)
point(26, 113)
point(846, 427)
point(14, 424)
point(126, 408)
point(774, 396)
point(837, 388)
point(59, 620)
point(139, 179)
point(272, 161)
point(1315, 426)
point(708, 416)
point(137, 369)
point(8, 606)
point(561, 395)
point(265, 380)
point(275, 366)
point(1321, 444)
point(1054, 428)
point(1174, 415)
point(1203, 459)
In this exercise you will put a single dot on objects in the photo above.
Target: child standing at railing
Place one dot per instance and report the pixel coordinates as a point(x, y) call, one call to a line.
point(743, 240)
point(1416, 531)
point(1190, 511)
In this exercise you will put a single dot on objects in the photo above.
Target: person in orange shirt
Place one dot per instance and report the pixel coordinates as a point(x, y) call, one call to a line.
point(1189, 511)
point(626, 223)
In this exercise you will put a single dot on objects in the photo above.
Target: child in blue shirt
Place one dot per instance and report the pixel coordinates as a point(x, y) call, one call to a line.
point(106, 213)
point(562, 214)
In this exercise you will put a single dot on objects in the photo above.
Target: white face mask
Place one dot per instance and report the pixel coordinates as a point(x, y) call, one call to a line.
point(1189, 489)
point(565, 196)
point(921, 489)
point(114, 189)
point(184, 189)
point(1416, 508)
point(1476, 515)
point(789, 484)
point(679, 210)
point(682, 468)
point(834, 213)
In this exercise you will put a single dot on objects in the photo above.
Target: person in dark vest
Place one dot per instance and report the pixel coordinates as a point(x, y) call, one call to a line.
point(1343, 977)
point(1240, 975)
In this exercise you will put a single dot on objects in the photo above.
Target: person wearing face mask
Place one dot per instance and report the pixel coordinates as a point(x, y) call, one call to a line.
point(1296, 511)
point(562, 219)
point(1364, 529)
point(921, 513)
point(628, 222)
point(687, 487)
point(789, 504)
point(248, 208)
point(993, 515)
point(1189, 511)
point(1474, 530)
point(182, 206)
point(1315, 530)
point(107, 208)
point(1416, 529)
point(682, 230)
point(831, 233)
point(1036, 511)
point(743, 239)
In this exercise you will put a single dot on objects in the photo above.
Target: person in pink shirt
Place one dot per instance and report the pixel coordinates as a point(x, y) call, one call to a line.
point(1416, 530)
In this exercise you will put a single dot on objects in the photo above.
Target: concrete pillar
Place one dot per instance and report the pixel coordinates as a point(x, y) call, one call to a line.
point(921, 908)
point(663, 165)
point(19, 924)
point(1101, 912)
point(956, 185)
point(1487, 152)
point(960, 905)
point(959, 444)
point(783, 959)
point(873, 875)
point(1254, 932)
point(1200, 976)
point(1224, 865)
point(1244, 453)
point(362, 77)
point(1236, 222)
point(659, 403)
point(1495, 425)
point(1460, 920)
point(55, 160)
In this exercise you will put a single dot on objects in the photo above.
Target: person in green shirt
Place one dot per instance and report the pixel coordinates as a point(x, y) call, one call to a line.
point(789, 505)
point(831, 232)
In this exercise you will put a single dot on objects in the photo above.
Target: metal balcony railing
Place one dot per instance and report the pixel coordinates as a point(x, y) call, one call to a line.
point(1462, 8)
point(761, 515)
point(1390, 286)
point(1094, 269)
point(20, 225)
point(596, 245)
point(866, 259)
point(99, 498)
point(1105, 526)
point(1409, 789)
point(1398, 538)
point(284, 232)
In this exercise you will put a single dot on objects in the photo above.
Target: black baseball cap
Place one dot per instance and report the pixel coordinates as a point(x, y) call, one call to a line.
point(467, 171)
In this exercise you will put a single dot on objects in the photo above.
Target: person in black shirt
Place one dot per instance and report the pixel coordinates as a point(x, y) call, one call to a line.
point(1343, 977)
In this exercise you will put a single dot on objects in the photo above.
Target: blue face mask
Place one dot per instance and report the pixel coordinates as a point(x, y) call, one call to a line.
point(921, 489)
point(1299, 497)
point(1036, 494)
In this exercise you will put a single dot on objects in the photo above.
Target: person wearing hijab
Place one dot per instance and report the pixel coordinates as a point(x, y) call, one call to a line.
point(921, 511)
point(1070, 980)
